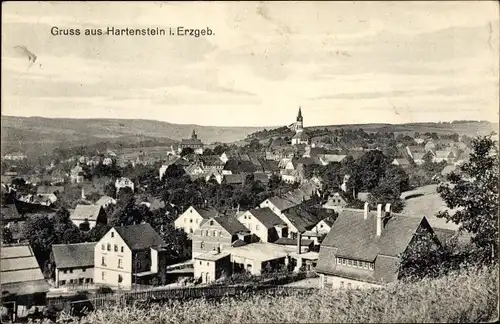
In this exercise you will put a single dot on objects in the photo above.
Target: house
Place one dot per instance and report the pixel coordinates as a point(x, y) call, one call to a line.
point(190, 220)
point(418, 158)
point(238, 165)
point(15, 156)
point(448, 169)
point(74, 263)
point(234, 179)
point(211, 266)
point(258, 257)
point(105, 201)
point(412, 149)
point(262, 177)
point(123, 183)
point(22, 281)
point(212, 161)
point(443, 155)
point(319, 231)
point(218, 233)
point(194, 170)
point(326, 159)
point(335, 202)
point(289, 176)
point(430, 146)
point(264, 224)
point(401, 162)
point(127, 255)
point(107, 161)
point(214, 174)
point(77, 174)
point(194, 143)
point(93, 214)
point(269, 166)
point(44, 190)
point(300, 138)
point(363, 248)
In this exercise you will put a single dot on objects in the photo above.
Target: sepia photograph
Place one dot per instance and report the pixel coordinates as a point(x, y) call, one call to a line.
point(249, 162)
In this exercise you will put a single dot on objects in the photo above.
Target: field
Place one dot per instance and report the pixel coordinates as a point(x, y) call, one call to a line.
point(428, 205)
point(461, 297)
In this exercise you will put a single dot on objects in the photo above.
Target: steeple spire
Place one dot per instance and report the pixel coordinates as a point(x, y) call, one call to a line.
point(299, 116)
point(193, 135)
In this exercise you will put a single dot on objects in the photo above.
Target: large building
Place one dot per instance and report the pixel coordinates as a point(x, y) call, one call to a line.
point(74, 263)
point(194, 142)
point(128, 254)
point(300, 136)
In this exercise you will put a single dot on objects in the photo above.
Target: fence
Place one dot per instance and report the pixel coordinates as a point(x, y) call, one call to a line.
point(136, 298)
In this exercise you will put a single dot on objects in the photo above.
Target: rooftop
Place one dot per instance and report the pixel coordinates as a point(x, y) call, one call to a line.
point(74, 255)
point(139, 237)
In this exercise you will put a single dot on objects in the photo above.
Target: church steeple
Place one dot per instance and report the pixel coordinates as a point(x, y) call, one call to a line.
point(193, 135)
point(299, 116)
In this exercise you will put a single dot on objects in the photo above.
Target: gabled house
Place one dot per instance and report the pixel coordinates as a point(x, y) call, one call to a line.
point(401, 162)
point(74, 263)
point(22, 281)
point(234, 179)
point(413, 149)
point(363, 249)
point(105, 201)
point(326, 159)
point(218, 233)
point(300, 138)
point(93, 214)
point(443, 155)
point(128, 255)
point(335, 202)
point(269, 166)
point(264, 224)
point(123, 183)
point(190, 220)
point(212, 161)
point(194, 143)
point(430, 146)
point(77, 174)
point(214, 174)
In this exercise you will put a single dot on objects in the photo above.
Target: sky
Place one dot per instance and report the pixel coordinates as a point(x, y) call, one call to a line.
point(342, 62)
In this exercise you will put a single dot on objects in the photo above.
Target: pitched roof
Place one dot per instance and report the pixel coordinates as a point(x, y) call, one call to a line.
point(262, 177)
point(443, 154)
point(266, 217)
point(304, 161)
point(105, 200)
point(206, 213)
point(301, 136)
point(235, 178)
point(89, 212)
point(328, 158)
point(211, 160)
point(9, 212)
point(191, 141)
point(49, 189)
point(269, 165)
point(301, 219)
point(291, 241)
point(74, 255)
point(141, 236)
point(240, 166)
point(401, 161)
point(356, 238)
point(231, 224)
point(20, 272)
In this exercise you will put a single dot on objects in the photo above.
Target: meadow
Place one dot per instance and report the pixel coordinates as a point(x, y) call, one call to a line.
point(465, 296)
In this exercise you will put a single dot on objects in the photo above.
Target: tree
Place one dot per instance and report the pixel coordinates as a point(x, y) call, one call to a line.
point(7, 236)
point(110, 190)
point(473, 192)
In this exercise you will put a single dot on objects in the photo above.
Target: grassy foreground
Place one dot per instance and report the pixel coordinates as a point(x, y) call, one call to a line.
point(469, 296)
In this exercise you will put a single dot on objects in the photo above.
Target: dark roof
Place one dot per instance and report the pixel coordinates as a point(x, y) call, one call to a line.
point(74, 255)
point(356, 238)
point(235, 178)
point(141, 236)
point(191, 141)
point(269, 165)
point(301, 219)
point(230, 224)
point(206, 213)
point(88, 212)
point(49, 189)
point(262, 177)
point(291, 241)
point(301, 136)
point(304, 161)
point(212, 160)
point(266, 217)
point(9, 212)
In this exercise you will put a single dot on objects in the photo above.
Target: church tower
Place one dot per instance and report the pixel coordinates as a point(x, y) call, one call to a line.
point(300, 122)
point(193, 135)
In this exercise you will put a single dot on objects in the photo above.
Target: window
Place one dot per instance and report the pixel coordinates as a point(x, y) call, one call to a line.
point(250, 226)
point(122, 249)
point(103, 247)
point(211, 222)
point(190, 230)
point(208, 233)
point(84, 269)
point(65, 271)
point(338, 260)
point(185, 220)
point(190, 220)
point(116, 248)
point(341, 284)
point(202, 245)
point(112, 234)
point(71, 271)
point(349, 263)
point(371, 266)
point(62, 282)
point(208, 263)
point(220, 234)
point(344, 261)
point(321, 226)
point(196, 221)
point(120, 263)
point(349, 285)
point(103, 275)
point(215, 233)
point(201, 233)
point(355, 263)
point(109, 247)
point(256, 227)
point(103, 261)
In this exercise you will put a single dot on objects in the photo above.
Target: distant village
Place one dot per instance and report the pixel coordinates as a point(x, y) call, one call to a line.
point(329, 203)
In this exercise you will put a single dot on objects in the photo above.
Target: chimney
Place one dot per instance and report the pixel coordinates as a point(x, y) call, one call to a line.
point(387, 209)
point(379, 219)
point(299, 243)
point(367, 210)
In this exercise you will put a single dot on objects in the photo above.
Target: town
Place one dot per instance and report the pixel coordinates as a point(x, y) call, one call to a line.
point(317, 208)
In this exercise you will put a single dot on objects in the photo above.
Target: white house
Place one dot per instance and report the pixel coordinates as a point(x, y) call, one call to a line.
point(190, 220)
point(124, 182)
point(93, 214)
point(74, 263)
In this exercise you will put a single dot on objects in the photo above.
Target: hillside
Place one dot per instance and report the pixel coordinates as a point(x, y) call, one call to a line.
point(457, 298)
point(37, 133)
